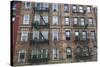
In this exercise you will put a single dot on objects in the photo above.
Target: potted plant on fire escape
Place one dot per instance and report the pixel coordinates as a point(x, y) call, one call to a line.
point(36, 25)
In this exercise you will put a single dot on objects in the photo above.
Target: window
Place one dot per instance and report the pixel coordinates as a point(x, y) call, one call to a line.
point(82, 21)
point(13, 19)
point(74, 8)
point(37, 18)
point(81, 9)
point(69, 54)
point(55, 53)
point(65, 7)
point(78, 50)
point(27, 5)
point(67, 35)
point(84, 35)
point(44, 35)
point(34, 53)
point(44, 53)
point(85, 51)
point(55, 7)
point(45, 5)
point(76, 33)
point(35, 35)
point(45, 19)
point(38, 5)
point(90, 21)
point(75, 20)
point(93, 35)
point(24, 36)
point(21, 57)
point(55, 20)
point(67, 21)
point(26, 19)
point(55, 35)
point(88, 9)
point(14, 6)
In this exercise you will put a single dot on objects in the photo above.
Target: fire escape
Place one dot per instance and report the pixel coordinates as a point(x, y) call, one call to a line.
point(39, 26)
point(82, 51)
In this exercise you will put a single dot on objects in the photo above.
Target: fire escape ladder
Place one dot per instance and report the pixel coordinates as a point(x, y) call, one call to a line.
point(41, 17)
point(40, 36)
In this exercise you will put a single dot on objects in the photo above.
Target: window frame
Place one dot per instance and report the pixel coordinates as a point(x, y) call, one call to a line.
point(26, 19)
point(74, 8)
point(55, 36)
point(82, 21)
point(55, 53)
point(19, 58)
point(35, 35)
point(90, 23)
point(55, 20)
point(24, 33)
point(66, 8)
point(88, 9)
point(26, 6)
point(75, 20)
point(81, 9)
point(55, 7)
point(67, 22)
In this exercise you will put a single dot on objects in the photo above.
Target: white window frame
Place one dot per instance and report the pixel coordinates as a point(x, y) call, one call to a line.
point(68, 33)
point(55, 53)
point(55, 7)
point(37, 18)
point(74, 7)
point(26, 19)
point(84, 34)
point(67, 20)
point(24, 34)
point(69, 51)
point(90, 20)
point(55, 20)
point(19, 59)
point(36, 34)
point(75, 20)
point(81, 9)
point(76, 33)
point(82, 21)
point(26, 6)
point(54, 34)
point(88, 9)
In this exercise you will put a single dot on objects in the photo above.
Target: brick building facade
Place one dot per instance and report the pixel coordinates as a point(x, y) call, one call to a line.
point(56, 33)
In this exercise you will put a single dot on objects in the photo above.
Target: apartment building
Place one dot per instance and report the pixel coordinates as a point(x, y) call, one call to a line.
point(50, 33)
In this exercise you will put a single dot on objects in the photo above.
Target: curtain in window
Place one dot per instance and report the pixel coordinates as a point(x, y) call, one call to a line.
point(55, 7)
point(55, 35)
point(35, 35)
point(37, 18)
point(24, 36)
point(55, 20)
point(75, 20)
